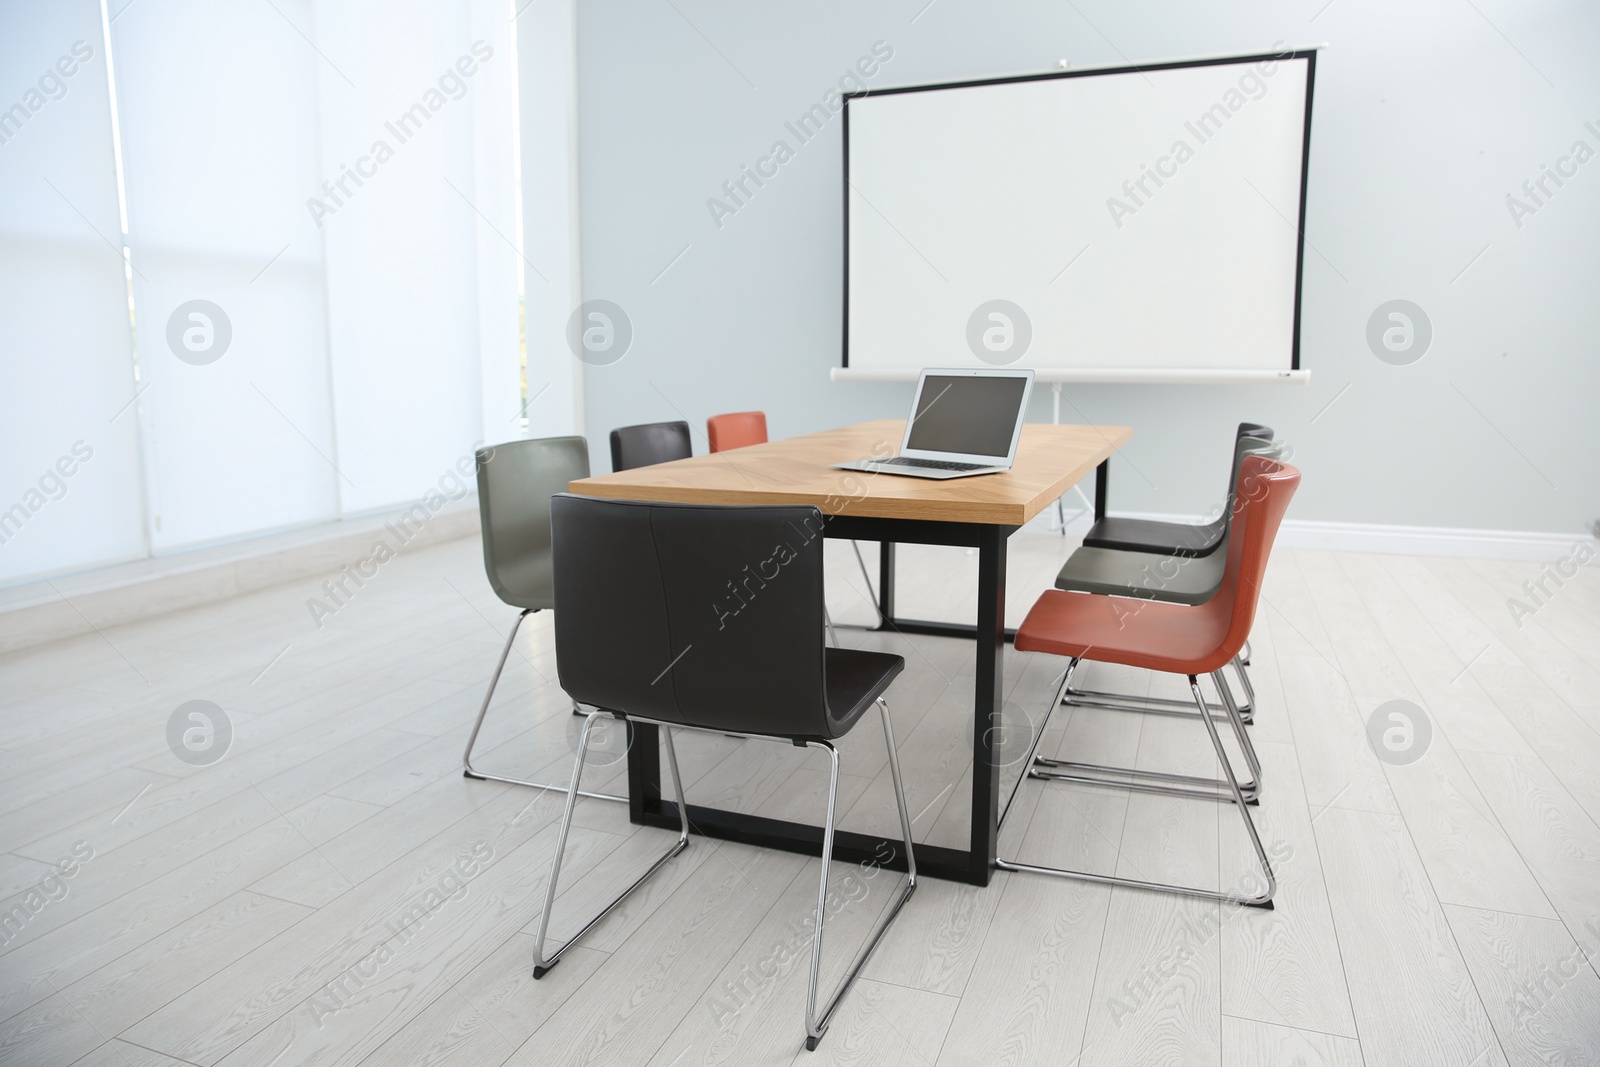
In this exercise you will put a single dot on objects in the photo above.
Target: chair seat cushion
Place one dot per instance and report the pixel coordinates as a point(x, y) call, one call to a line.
point(1173, 579)
point(1153, 535)
point(855, 679)
point(1137, 633)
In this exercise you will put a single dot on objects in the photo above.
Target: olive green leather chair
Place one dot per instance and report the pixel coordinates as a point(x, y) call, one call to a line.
point(515, 483)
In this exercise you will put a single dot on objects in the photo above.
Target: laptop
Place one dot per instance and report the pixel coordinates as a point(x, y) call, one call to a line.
point(962, 422)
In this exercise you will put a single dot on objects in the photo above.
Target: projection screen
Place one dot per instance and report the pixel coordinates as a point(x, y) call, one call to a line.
point(1140, 223)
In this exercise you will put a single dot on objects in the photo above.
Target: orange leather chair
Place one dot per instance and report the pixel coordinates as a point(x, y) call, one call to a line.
point(740, 429)
point(1178, 639)
point(737, 429)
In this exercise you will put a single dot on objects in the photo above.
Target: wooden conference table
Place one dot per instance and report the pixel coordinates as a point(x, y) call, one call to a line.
point(979, 512)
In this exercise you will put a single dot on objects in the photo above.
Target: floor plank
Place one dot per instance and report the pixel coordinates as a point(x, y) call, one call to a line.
point(136, 983)
point(664, 970)
point(497, 1006)
point(1283, 966)
point(1539, 984)
point(1551, 831)
point(1414, 999)
point(1251, 1043)
point(1030, 990)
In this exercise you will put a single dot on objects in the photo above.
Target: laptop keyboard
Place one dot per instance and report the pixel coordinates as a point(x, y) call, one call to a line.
point(935, 464)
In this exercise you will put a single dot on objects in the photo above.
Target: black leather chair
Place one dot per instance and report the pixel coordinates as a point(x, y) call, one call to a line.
point(635, 639)
point(1172, 538)
point(649, 442)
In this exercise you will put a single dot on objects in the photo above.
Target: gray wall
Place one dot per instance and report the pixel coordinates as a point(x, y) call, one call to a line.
point(1427, 116)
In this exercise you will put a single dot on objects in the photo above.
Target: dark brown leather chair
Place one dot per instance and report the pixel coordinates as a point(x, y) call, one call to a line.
point(1174, 538)
point(649, 443)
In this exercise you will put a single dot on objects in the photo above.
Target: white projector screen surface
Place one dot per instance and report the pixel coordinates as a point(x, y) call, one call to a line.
point(1129, 224)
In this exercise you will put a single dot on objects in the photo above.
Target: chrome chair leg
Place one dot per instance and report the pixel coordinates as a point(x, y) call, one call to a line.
point(468, 771)
point(1264, 898)
point(1244, 653)
point(817, 1025)
point(1139, 781)
point(543, 964)
point(1164, 782)
point(1258, 900)
point(1146, 705)
point(1246, 709)
point(1038, 736)
point(872, 594)
point(1236, 719)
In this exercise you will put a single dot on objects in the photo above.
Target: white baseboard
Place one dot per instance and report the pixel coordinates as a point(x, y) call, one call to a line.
point(37, 612)
point(1385, 539)
point(1428, 540)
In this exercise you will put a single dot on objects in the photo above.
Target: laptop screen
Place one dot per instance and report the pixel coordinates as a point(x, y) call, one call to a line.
point(974, 415)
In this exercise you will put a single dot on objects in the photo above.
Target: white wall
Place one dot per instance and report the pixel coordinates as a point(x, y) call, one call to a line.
point(546, 84)
point(1427, 115)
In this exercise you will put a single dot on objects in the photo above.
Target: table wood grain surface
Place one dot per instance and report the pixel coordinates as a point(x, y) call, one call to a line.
point(798, 470)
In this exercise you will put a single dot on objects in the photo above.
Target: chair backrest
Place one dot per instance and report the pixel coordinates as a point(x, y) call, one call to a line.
point(1204, 576)
point(693, 614)
point(1212, 536)
point(1265, 488)
point(1260, 438)
point(737, 429)
point(515, 483)
point(648, 443)
point(1243, 446)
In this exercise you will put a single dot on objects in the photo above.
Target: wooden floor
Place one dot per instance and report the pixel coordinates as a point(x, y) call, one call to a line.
point(333, 891)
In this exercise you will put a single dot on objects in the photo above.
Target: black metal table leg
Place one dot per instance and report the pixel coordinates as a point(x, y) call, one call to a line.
point(644, 771)
point(885, 582)
point(988, 692)
point(1102, 475)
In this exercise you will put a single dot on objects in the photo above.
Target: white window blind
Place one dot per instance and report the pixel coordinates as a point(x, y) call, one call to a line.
point(322, 222)
point(219, 139)
point(69, 463)
point(419, 226)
